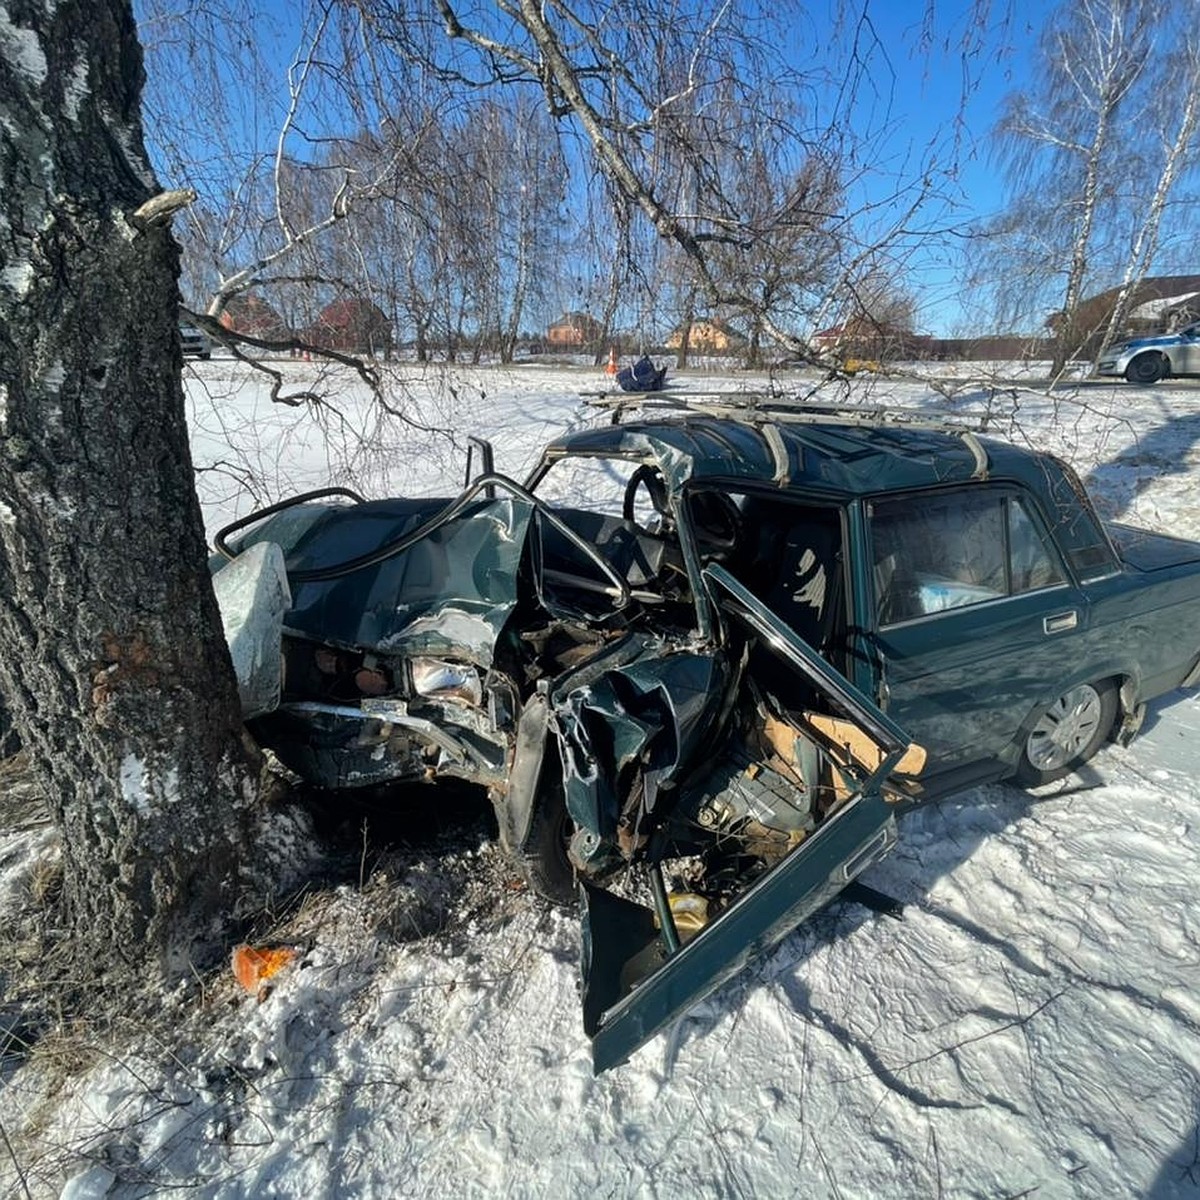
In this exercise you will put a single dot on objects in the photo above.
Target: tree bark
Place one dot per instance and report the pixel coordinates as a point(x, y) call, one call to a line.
point(111, 651)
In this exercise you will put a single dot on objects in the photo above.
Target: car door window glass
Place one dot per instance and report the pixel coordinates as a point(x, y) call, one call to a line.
point(1032, 566)
point(932, 554)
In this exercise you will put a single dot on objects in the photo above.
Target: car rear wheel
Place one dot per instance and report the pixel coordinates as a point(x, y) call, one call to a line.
point(1068, 733)
point(1146, 368)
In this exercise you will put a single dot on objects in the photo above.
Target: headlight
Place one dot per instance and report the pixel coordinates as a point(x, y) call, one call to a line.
point(437, 679)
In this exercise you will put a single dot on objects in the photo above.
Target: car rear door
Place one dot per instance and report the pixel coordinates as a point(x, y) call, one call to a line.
point(974, 615)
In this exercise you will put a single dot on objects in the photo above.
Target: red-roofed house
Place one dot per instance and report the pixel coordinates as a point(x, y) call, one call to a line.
point(573, 331)
point(252, 315)
point(352, 326)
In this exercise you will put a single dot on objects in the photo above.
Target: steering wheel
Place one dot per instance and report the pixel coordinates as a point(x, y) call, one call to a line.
point(656, 489)
point(716, 523)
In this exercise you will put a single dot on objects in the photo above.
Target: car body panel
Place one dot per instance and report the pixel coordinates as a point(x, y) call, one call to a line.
point(194, 341)
point(647, 717)
point(831, 459)
point(965, 680)
point(453, 591)
point(254, 597)
point(970, 682)
point(1146, 551)
point(621, 941)
point(966, 671)
point(1145, 627)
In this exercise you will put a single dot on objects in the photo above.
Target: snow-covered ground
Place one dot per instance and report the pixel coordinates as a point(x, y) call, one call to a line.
point(1031, 1027)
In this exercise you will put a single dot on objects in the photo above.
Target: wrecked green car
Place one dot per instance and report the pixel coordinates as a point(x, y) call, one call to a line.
point(663, 655)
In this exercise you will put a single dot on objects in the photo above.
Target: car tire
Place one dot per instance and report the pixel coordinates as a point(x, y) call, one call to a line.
point(1067, 733)
point(544, 861)
point(1146, 368)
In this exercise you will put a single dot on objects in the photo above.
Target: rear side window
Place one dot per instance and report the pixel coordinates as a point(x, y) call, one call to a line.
point(935, 553)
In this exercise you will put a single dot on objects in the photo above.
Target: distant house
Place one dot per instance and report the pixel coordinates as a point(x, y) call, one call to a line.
point(1169, 313)
point(862, 337)
point(250, 314)
point(352, 326)
point(828, 340)
point(707, 337)
point(573, 331)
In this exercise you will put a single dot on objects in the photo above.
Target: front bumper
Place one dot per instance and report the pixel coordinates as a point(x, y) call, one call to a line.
point(1113, 362)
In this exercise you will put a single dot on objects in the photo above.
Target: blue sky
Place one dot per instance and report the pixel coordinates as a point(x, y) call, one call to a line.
point(929, 106)
point(941, 103)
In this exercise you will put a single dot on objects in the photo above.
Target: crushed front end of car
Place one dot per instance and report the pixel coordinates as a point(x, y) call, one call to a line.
point(388, 663)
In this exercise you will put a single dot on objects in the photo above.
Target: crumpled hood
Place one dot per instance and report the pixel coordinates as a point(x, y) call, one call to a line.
point(450, 593)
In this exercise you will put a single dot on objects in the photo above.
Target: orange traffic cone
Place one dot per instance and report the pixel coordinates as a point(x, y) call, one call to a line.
point(611, 368)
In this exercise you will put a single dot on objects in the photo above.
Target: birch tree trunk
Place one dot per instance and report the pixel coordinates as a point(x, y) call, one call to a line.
point(111, 650)
point(1111, 46)
point(1061, 135)
point(1067, 341)
point(1175, 162)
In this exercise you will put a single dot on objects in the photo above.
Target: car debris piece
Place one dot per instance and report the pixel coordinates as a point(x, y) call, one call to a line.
point(253, 966)
point(643, 376)
point(253, 596)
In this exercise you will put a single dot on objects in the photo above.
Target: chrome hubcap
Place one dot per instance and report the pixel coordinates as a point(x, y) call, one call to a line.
point(1065, 730)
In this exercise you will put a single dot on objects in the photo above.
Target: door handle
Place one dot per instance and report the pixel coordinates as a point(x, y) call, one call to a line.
point(1060, 622)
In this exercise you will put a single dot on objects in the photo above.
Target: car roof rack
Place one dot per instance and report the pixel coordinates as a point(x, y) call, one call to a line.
point(764, 409)
point(764, 406)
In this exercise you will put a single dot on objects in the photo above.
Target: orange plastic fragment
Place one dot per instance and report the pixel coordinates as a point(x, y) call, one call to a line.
point(253, 966)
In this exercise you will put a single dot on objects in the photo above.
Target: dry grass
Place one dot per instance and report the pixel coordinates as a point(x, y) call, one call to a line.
point(22, 805)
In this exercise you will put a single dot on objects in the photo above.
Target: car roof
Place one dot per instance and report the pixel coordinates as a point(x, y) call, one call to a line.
point(850, 459)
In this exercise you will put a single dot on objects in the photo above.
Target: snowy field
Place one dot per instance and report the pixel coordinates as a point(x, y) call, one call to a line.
point(1030, 1028)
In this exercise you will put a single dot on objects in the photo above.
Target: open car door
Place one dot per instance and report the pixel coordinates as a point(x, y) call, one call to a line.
point(644, 967)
